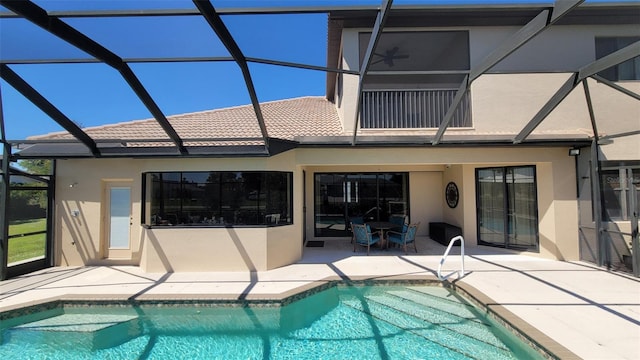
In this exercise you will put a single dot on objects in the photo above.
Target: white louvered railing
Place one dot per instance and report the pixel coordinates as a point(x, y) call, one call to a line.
point(402, 109)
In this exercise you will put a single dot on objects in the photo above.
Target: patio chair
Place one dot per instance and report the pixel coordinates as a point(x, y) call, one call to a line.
point(399, 221)
point(406, 236)
point(355, 220)
point(363, 236)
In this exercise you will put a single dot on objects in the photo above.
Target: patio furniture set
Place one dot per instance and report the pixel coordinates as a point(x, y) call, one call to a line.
point(395, 232)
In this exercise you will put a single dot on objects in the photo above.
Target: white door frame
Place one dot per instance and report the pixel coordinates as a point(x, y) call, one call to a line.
point(117, 212)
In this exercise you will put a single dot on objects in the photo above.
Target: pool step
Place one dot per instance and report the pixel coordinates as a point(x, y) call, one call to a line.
point(202, 321)
point(452, 308)
point(470, 327)
point(457, 333)
point(94, 331)
point(444, 296)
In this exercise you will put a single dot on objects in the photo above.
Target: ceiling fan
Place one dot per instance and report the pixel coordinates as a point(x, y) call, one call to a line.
point(389, 56)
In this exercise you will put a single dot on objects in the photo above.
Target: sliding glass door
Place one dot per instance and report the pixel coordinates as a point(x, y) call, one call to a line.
point(370, 196)
point(507, 207)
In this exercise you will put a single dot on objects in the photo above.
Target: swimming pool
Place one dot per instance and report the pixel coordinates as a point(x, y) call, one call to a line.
point(341, 322)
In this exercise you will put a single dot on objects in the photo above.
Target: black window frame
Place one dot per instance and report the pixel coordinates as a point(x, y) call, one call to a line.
point(506, 244)
point(259, 207)
point(379, 215)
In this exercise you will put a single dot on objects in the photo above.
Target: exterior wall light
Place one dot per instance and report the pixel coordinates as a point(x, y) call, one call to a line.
point(574, 152)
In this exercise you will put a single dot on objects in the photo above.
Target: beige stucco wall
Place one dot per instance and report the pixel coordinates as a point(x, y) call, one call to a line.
point(509, 96)
point(559, 48)
point(350, 61)
point(80, 189)
point(426, 200)
point(454, 216)
point(555, 171)
point(81, 241)
point(212, 249)
point(616, 113)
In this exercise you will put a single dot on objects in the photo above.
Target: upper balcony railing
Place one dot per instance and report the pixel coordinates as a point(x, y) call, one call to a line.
point(401, 109)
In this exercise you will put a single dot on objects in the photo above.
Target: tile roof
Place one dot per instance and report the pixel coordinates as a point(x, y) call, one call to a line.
point(284, 119)
point(310, 120)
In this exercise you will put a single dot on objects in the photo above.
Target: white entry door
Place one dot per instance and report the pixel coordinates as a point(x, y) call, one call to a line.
point(118, 222)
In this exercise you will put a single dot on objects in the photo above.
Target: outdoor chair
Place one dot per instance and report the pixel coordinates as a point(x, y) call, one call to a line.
point(399, 221)
point(355, 220)
point(363, 236)
point(404, 237)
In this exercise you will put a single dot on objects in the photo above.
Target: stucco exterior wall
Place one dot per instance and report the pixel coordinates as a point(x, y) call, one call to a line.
point(350, 61)
point(555, 172)
point(559, 48)
point(426, 199)
point(506, 98)
point(81, 239)
point(615, 114)
point(80, 193)
point(454, 216)
point(505, 103)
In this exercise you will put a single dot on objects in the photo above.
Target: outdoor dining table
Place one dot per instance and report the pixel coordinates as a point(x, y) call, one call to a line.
point(382, 226)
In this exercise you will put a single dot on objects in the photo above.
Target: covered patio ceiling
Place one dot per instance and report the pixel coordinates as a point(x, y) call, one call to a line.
point(66, 37)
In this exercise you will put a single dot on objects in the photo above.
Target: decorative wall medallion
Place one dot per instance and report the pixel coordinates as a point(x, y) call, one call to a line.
point(451, 194)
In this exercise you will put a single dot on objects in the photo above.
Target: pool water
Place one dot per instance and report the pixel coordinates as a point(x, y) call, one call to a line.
point(342, 322)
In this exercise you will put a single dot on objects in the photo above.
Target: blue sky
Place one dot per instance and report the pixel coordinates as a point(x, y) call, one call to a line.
point(95, 94)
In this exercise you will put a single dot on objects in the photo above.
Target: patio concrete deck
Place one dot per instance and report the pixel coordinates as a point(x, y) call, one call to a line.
point(574, 309)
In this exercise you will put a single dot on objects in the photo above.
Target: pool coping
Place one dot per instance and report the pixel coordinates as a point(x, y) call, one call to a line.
point(540, 342)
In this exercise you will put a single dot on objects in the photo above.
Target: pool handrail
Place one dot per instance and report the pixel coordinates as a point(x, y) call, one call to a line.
point(444, 257)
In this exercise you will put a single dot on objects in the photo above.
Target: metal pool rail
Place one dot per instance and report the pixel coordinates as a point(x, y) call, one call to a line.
point(444, 257)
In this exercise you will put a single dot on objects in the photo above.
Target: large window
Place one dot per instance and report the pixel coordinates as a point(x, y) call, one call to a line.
point(218, 198)
point(628, 70)
point(507, 207)
point(369, 196)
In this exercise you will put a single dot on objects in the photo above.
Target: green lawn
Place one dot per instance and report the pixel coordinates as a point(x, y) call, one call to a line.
point(27, 247)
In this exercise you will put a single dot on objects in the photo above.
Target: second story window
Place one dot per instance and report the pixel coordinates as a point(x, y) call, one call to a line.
point(628, 70)
point(413, 78)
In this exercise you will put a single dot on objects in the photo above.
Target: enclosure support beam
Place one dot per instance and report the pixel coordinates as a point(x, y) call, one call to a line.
point(48, 108)
point(615, 58)
point(4, 196)
point(213, 19)
point(615, 86)
point(378, 26)
point(57, 27)
point(602, 239)
point(534, 27)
